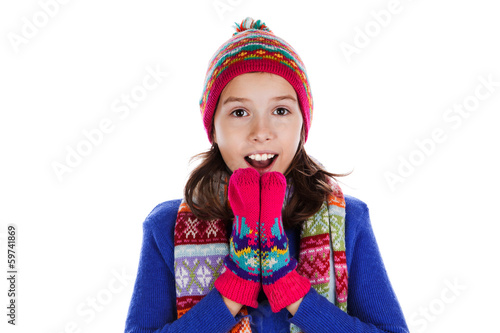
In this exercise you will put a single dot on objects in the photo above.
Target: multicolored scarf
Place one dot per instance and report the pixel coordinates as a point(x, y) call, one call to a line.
point(201, 245)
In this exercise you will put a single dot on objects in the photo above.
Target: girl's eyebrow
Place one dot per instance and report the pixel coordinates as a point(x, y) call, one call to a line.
point(242, 99)
point(280, 98)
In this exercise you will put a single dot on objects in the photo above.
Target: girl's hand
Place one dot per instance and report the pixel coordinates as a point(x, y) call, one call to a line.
point(280, 280)
point(240, 280)
point(233, 307)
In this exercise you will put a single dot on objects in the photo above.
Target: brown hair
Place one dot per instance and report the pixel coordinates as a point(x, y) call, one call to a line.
point(310, 182)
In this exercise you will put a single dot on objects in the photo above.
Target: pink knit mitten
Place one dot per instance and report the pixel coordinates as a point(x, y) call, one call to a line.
point(280, 280)
point(240, 281)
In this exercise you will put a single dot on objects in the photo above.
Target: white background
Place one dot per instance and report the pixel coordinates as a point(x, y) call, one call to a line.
point(435, 228)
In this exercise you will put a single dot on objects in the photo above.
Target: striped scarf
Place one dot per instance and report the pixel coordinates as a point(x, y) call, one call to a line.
point(201, 245)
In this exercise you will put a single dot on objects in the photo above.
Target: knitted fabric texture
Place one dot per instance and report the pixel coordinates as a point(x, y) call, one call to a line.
point(240, 281)
point(200, 247)
point(280, 281)
point(254, 48)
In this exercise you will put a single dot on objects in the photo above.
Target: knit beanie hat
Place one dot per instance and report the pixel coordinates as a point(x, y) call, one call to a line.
point(254, 48)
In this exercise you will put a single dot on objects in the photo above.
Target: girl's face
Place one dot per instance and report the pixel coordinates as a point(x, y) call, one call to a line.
point(258, 123)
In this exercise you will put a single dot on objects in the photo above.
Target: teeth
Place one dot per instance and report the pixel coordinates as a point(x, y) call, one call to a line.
point(261, 157)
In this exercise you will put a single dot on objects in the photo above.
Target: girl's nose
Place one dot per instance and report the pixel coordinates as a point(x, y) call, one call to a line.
point(261, 129)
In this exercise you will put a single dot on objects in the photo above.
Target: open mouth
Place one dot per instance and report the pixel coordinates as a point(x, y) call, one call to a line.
point(261, 161)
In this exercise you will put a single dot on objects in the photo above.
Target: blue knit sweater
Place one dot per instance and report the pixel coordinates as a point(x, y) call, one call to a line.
point(372, 305)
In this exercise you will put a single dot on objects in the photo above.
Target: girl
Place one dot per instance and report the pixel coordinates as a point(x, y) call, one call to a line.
point(264, 240)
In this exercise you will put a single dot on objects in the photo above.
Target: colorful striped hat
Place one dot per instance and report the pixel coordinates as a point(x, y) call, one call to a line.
point(254, 48)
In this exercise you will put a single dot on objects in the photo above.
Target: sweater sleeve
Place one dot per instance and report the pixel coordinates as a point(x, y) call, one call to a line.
point(372, 303)
point(153, 305)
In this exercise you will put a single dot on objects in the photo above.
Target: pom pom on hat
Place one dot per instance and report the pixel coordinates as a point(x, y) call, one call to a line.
point(249, 23)
point(254, 48)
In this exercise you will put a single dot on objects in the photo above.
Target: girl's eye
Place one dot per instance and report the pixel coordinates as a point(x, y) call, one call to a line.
point(239, 113)
point(281, 111)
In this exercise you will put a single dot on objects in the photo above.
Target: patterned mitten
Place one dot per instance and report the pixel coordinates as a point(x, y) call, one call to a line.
point(280, 280)
point(240, 281)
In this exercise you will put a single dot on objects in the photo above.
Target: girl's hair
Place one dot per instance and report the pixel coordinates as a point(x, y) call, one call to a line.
point(309, 179)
